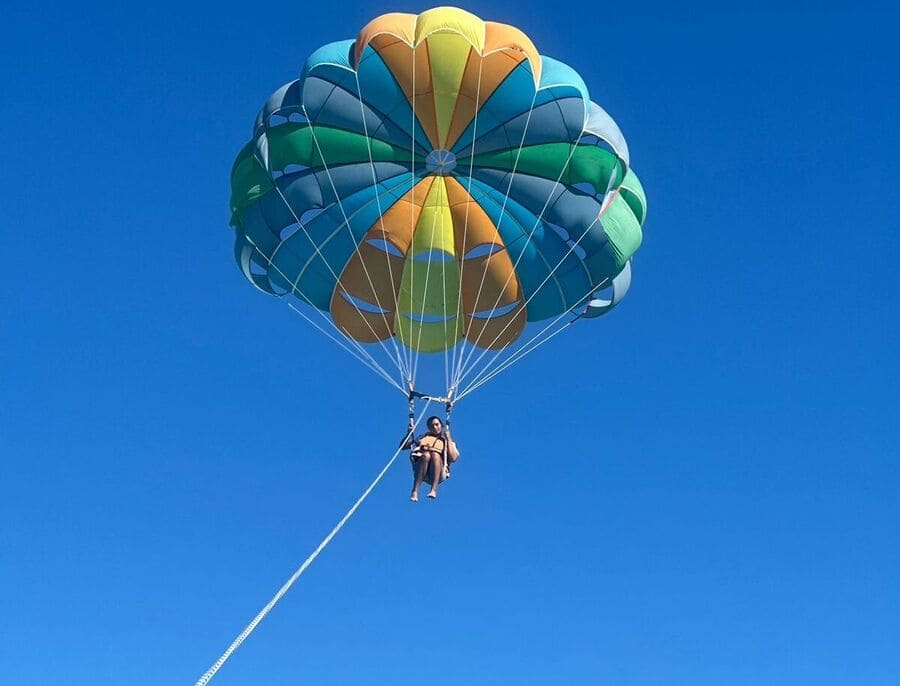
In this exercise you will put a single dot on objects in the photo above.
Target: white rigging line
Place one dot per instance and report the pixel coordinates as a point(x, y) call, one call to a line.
point(294, 282)
point(371, 363)
point(512, 272)
point(362, 353)
point(528, 300)
point(516, 356)
point(411, 377)
point(241, 637)
point(458, 348)
point(448, 366)
point(318, 252)
point(418, 348)
point(460, 363)
point(397, 358)
point(387, 256)
point(444, 264)
point(610, 182)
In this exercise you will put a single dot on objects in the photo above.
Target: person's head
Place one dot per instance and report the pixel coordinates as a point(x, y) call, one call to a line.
point(434, 425)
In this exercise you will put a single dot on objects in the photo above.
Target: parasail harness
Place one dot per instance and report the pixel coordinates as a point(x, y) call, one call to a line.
point(448, 410)
point(447, 400)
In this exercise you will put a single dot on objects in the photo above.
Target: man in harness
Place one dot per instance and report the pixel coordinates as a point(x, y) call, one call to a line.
point(431, 456)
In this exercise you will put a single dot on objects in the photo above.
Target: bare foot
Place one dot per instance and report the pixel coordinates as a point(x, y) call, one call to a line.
point(414, 497)
point(432, 494)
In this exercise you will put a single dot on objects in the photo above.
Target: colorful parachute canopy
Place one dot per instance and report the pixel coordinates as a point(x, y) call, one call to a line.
point(436, 181)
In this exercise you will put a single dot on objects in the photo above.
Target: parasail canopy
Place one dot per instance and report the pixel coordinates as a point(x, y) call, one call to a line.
point(437, 186)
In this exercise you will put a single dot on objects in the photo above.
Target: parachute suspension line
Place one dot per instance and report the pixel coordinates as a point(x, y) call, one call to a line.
point(217, 665)
point(455, 319)
point(529, 299)
point(489, 371)
point(462, 371)
point(412, 227)
point(451, 385)
point(318, 252)
point(400, 365)
point(609, 184)
point(411, 377)
point(412, 224)
point(517, 355)
point(362, 352)
point(368, 361)
point(444, 264)
point(519, 258)
point(362, 113)
point(418, 348)
point(537, 290)
point(489, 257)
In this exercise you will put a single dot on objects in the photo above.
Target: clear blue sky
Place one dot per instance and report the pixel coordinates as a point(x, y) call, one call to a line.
point(701, 488)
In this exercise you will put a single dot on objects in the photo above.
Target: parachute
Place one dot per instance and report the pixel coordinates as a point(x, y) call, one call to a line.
point(436, 186)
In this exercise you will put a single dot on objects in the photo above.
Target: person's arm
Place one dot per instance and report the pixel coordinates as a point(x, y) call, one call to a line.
point(452, 450)
point(408, 441)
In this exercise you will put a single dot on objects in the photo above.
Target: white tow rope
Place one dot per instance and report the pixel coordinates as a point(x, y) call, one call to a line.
point(211, 672)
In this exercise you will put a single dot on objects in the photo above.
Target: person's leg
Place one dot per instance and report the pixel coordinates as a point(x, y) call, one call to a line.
point(421, 469)
point(437, 471)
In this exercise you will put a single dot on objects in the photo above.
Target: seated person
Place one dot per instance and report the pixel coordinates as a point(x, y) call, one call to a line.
point(431, 456)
